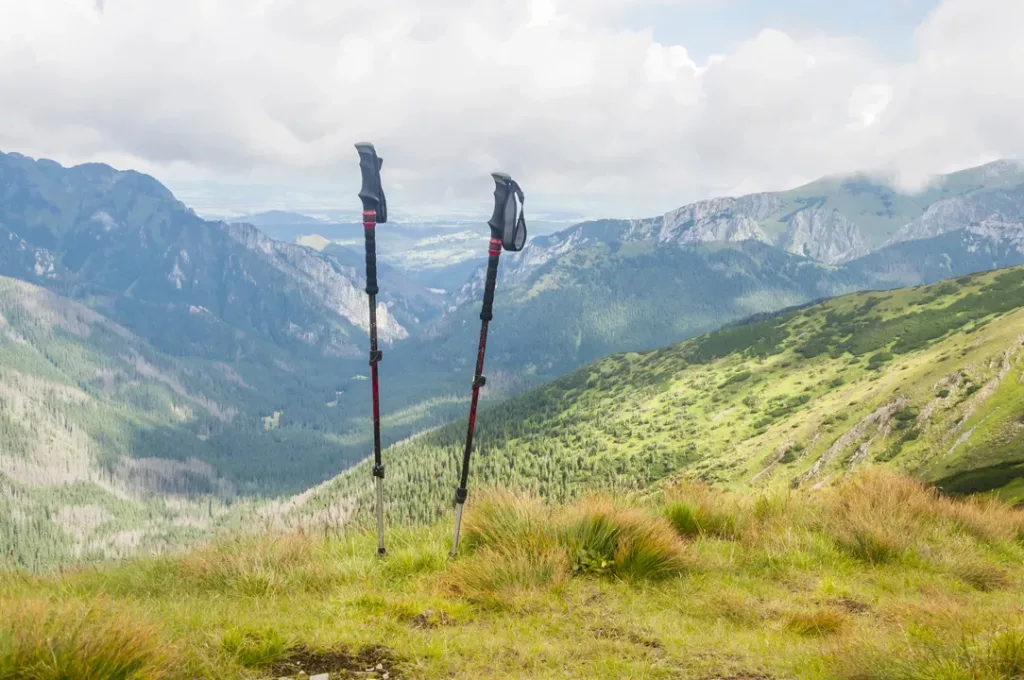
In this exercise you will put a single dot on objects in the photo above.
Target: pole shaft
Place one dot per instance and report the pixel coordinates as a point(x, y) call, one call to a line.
point(467, 452)
point(458, 528)
point(369, 225)
point(478, 382)
point(374, 381)
point(380, 515)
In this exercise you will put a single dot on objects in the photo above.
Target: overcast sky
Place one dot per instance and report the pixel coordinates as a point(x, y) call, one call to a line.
point(607, 107)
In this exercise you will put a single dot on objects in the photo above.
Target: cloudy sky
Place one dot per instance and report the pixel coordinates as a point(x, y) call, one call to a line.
point(606, 107)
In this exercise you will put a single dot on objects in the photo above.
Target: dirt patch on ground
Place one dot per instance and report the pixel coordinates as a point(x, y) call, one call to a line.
point(851, 605)
point(431, 619)
point(611, 633)
point(741, 676)
point(339, 663)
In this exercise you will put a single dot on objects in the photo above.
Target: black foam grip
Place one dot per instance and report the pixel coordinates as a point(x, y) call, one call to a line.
point(492, 278)
point(371, 260)
point(371, 193)
point(502, 188)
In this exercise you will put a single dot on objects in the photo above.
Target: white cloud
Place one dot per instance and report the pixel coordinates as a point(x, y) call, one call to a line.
point(584, 113)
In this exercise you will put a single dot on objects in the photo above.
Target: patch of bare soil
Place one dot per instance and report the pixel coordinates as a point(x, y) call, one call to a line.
point(431, 619)
point(611, 633)
point(851, 605)
point(369, 662)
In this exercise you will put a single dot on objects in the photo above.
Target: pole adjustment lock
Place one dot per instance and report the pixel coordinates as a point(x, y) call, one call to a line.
point(376, 357)
point(378, 471)
point(479, 381)
point(460, 495)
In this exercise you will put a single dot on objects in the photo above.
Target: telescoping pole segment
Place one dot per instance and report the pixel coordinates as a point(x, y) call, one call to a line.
point(508, 231)
point(374, 212)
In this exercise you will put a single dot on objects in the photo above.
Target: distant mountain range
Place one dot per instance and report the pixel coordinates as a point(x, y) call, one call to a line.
point(837, 220)
point(439, 253)
point(277, 218)
point(613, 285)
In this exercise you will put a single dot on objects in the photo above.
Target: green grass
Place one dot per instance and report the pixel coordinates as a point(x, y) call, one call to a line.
point(598, 588)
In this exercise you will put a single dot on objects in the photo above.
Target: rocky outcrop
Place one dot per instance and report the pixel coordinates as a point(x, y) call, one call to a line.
point(720, 220)
point(995, 215)
point(825, 236)
point(319, 281)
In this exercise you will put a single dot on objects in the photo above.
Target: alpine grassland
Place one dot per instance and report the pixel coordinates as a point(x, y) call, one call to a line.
point(876, 575)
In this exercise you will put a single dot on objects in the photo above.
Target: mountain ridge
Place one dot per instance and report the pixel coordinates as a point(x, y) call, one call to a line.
point(122, 236)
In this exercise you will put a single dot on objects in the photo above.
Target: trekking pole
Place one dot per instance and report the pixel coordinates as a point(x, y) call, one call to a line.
point(375, 211)
point(508, 231)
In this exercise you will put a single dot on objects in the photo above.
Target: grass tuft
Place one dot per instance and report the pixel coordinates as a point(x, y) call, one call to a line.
point(817, 622)
point(877, 516)
point(985, 518)
point(605, 537)
point(506, 571)
point(981, 575)
point(697, 511)
point(502, 519)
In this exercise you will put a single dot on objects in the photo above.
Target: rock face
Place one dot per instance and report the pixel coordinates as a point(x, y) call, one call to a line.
point(998, 215)
point(825, 236)
point(321, 279)
point(720, 220)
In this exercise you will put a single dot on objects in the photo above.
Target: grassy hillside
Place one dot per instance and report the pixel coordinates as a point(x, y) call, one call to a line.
point(874, 578)
point(601, 298)
point(927, 380)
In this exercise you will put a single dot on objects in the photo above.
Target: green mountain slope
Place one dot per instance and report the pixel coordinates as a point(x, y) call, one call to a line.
point(927, 379)
point(609, 297)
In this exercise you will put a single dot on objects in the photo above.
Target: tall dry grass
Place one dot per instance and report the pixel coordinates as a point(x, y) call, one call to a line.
point(880, 516)
point(875, 516)
point(262, 566)
point(698, 511)
point(43, 641)
point(997, 655)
